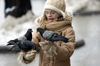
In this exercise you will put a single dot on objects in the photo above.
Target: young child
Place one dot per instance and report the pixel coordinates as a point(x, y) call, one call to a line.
point(56, 19)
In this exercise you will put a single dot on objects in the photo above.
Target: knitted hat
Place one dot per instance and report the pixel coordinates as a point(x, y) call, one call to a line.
point(56, 5)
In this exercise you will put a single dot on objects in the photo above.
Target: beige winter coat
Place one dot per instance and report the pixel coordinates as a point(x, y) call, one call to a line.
point(64, 50)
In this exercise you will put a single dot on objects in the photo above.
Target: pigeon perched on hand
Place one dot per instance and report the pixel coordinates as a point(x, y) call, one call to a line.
point(26, 36)
point(17, 42)
point(51, 36)
point(24, 45)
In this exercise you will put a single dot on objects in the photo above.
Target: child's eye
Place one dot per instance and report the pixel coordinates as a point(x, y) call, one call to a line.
point(46, 12)
point(52, 12)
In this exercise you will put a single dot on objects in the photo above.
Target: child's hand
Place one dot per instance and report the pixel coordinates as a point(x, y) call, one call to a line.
point(45, 46)
point(49, 48)
point(27, 57)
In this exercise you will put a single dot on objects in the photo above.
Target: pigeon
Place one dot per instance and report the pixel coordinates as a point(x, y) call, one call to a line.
point(18, 41)
point(51, 36)
point(27, 36)
point(24, 45)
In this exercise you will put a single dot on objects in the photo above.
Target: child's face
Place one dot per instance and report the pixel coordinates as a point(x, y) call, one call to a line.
point(51, 15)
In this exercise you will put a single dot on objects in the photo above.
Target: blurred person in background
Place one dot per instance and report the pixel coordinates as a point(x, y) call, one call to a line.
point(17, 12)
point(9, 4)
point(17, 8)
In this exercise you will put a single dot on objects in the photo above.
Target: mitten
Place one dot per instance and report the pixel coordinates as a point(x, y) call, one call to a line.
point(27, 57)
point(49, 48)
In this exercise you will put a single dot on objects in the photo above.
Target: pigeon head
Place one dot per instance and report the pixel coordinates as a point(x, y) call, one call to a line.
point(41, 31)
point(28, 34)
point(29, 30)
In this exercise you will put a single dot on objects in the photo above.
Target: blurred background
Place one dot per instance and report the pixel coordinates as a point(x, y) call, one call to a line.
point(20, 15)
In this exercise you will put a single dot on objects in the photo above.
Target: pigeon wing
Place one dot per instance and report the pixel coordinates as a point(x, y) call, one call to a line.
point(57, 37)
point(47, 35)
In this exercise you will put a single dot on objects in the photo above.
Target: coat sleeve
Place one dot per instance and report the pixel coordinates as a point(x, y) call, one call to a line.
point(36, 38)
point(65, 50)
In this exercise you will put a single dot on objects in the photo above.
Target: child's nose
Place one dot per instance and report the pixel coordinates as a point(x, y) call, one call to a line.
point(49, 15)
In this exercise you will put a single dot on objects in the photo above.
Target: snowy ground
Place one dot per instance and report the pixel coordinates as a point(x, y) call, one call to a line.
point(86, 27)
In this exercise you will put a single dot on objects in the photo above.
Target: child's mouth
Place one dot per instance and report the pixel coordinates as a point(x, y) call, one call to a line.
point(51, 19)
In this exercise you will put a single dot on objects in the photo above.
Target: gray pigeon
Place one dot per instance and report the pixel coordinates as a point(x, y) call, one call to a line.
point(24, 45)
point(51, 36)
point(27, 37)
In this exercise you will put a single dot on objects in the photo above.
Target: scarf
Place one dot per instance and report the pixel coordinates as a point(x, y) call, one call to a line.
point(56, 26)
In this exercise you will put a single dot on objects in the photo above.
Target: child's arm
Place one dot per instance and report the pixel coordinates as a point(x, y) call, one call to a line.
point(65, 50)
point(36, 38)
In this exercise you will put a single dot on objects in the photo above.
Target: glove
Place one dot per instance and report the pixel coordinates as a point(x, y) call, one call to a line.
point(28, 57)
point(49, 48)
